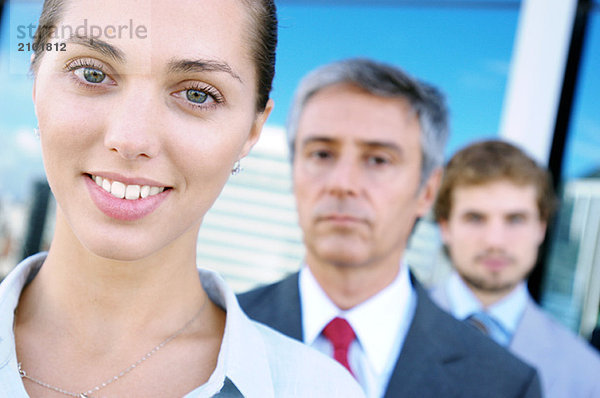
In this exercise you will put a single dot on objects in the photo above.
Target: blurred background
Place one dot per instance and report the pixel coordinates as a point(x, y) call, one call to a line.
point(527, 71)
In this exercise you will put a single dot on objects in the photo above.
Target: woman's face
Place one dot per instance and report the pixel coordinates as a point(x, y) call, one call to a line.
point(157, 107)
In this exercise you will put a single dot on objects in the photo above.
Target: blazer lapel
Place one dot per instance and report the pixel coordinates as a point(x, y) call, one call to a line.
point(276, 305)
point(289, 316)
point(421, 367)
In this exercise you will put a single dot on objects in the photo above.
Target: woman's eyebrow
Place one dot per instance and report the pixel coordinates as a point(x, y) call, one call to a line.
point(201, 65)
point(98, 45)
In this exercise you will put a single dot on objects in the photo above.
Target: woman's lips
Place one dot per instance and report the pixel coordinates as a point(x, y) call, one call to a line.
point(121, 201)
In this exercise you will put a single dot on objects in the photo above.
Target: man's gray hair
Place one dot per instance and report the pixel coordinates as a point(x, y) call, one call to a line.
point(384, 81)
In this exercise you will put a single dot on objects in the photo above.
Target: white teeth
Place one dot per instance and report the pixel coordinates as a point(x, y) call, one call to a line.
point(117, 189)
point(132, 192)
point(106, 185)
point(145, 191)
point(129, 192)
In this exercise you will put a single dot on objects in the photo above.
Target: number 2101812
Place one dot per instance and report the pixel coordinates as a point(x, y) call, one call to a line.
point(44, 47)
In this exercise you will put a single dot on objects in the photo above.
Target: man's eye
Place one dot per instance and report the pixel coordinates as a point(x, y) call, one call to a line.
point(473, 218)
point(377, 160)
point(91, 75)
point(197, 96)
point(320, 154)
point(516, 219)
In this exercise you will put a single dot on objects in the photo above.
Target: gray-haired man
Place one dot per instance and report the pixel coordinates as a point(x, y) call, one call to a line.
point(367, 146)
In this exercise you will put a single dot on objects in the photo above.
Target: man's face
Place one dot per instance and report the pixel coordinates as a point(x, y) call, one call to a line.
point(493, 234)
point(356, 172)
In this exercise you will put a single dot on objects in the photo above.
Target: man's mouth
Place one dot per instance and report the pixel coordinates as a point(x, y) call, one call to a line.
point(124, 191)
point(495, 262)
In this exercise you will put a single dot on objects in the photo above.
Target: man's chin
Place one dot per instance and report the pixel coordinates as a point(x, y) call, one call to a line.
point(339, 250)
point(344, 257)
point(491, 285)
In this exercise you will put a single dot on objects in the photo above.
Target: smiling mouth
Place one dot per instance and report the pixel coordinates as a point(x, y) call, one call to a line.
point(121, 190)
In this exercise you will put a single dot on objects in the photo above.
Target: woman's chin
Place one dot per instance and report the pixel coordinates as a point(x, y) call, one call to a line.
point(120, 252)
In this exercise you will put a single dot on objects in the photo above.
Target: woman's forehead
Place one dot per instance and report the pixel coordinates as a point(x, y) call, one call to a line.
point(159, 31)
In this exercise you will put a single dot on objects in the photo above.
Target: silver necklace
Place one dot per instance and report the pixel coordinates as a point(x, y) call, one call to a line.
point(131, 367)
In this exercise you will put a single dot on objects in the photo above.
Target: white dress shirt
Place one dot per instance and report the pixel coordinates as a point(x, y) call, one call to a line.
point(507, 312)
point(380, 324)
point(253, 361)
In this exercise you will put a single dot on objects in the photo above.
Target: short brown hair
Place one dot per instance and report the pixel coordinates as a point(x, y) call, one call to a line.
point(490, 161)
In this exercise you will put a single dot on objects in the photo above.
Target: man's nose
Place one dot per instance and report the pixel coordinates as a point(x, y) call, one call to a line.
point(495, 233)
point(345, 177)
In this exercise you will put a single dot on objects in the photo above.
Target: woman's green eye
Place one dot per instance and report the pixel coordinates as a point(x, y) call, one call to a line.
point(196, 96)
point(93, 75)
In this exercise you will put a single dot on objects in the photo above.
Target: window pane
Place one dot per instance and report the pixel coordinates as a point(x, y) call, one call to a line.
point(572, 285)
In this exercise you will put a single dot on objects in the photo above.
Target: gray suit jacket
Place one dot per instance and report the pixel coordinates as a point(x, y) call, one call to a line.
point(568, 366)
point(441, 356)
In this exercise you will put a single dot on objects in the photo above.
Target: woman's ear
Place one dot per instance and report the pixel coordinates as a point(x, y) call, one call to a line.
point(257, 127)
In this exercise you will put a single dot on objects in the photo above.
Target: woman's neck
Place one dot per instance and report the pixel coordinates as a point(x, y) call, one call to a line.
point(95, 295)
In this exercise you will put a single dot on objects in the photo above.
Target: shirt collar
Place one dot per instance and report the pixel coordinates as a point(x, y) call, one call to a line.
point(375, 341)
point(507, 311)
point(10, 291)
point(242, 357)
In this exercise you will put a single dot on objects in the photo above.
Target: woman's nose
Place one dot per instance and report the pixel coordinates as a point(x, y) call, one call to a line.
point(133, 128)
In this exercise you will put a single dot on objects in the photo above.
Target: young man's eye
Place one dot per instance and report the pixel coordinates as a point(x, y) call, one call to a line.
point(516, 219)
point(473, 218)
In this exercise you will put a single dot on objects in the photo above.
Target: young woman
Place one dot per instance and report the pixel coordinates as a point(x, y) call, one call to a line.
point(140, 128)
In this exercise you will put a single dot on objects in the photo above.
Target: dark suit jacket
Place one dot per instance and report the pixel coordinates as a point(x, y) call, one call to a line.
point(441, 357)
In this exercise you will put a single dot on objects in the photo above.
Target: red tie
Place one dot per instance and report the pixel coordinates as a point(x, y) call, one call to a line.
point(340, 334)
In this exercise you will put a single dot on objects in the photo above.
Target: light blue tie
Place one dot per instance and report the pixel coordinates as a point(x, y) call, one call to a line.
point(485, 323)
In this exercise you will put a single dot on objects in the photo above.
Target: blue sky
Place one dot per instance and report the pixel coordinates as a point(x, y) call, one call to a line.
point(465, 51)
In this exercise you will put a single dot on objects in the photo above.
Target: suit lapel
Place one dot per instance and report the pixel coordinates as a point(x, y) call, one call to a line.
point(276, 305)
point(420, 369)
point(289, 316)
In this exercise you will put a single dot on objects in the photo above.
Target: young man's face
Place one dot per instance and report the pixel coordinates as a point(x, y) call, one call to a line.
point(493, 233)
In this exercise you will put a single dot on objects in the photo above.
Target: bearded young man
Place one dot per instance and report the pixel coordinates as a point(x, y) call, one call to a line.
point(493, 208)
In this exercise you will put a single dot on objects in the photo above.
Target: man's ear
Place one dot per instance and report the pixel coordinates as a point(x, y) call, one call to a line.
point(256, 129)
point(542, 232)
point(443, 224)
point(428, 192)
